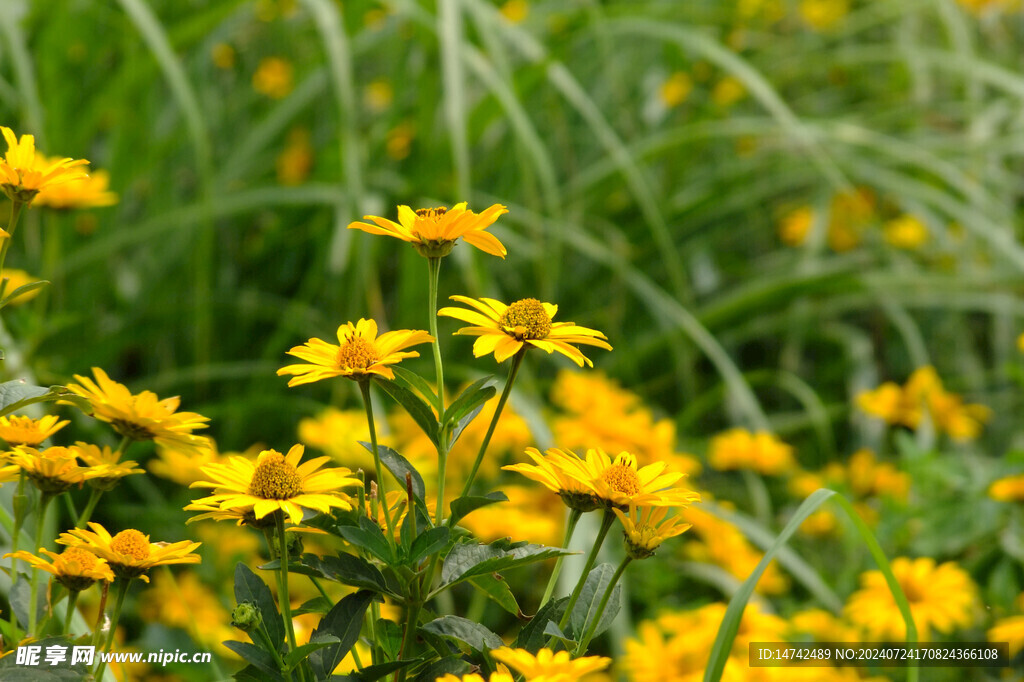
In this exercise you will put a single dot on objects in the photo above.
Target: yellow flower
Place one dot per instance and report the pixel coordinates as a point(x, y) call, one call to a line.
point(905, 232)
point(106, 465)
point(434, 231)
point(130, 553)
point(499, 676)
point(54, 470)
point(276, 482)
point(1009, 630)
point(505, 329)
point(867, 477)
point(184, 601)
point(573, 492)
point(75, 568)
point(296, 159)
point(399, 140)
point(27, 431)
point(819, 524)
point(337, 433)
point(796, 225)
point(1009, 489)
point(822, 15)
point(942, 598)
point(19, 278)
point(10, 473)
point(645, 529)
point(185, 465)
point(741, 449)
point(223, 56)
point(530, 514)
point(21, 179)
point(274, 77)
point(549, 663)
point(885, 402)
point(360, 354)
point(88, 191)
point(378, 95)
point(675, 89)
point(515, 11)
point(143, 416)
point(727, 92)
point(823, 626)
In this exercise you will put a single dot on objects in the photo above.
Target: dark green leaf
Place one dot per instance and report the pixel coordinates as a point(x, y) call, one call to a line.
point(369, 537)
point(449, 664)
point(389, 638)
point(251, 588)
point(418, 409)
point(343, 623)
point(354, 571)
point(470, 559)
point(552, 630)
point(251, 673)
point(429, 541)
point(475, 395)
point(464, 505)
point(23, 289)
point(300, 653)
point(461, 425)
point(464, 631)
point(415, 382)
point(17, 394)
point(590, 599)
point(375, 672)
point(495, 587)
point(532, 637)
point(255, 655)
point(399, 466)
point(319, 605)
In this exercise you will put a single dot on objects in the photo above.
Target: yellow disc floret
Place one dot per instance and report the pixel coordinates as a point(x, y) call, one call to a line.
point(622, 478)
point(77, 561)
point(131, 544)
point(526, 319)
point(357, 353)
point(275, 479)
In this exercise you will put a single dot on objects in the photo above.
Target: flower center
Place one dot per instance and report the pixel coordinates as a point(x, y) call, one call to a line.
point(275, 479)
point(526, 319)
point(77, 560)
point(622, 479)
point(431, 213)
point(132, 544)
point(357, 353)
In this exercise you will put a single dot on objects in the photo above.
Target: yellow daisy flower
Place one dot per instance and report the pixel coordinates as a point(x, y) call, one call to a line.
point(143, 416)
point(619, 483)
point(130, 553)
point(499, 676)
point(106, 465)
point(87, 191)
point(359, 354)
point(644, 529)
point(21, 179)
point(942, 599)
point(549, 663)
point(28, 431)
point(573, 492)
point(53, 470)
point(505, 329)
point(75, 568)
point(1008, 489)
point(434, 231)
point(741, 449)
point(10, 473)
point(275, 481)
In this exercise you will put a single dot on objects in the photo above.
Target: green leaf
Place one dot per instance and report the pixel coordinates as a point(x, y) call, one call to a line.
point(470, 559)
point(355, 571)
point(342, 624)
point(495, 587)
point(21, 594)
point(369, 537)
point(454, 665)
point(418, 409)
point(23, 289)
point(429, 541)
point(464, 505)
point(415, 382)
point(17, 394)
point(251, 673)
point(399, 466)
point(464, 632)
point(255, 655)
point(249, 587)
point(532, 637)
point(316, 643)
point(389, 638)
point(590, 599)
point(469, 401)
point(552, 630)
point(375, 672)
point(319, 605)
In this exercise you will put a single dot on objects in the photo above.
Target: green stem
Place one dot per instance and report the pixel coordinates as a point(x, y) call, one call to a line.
point(97, 628)
point(570, 527)
point(286, 606)
point(581, 648)
point(434, 275)
point(94, 498)
point(364, 388)
point(517, 360)
point(122, 592)
point(72, 599)
point(606, 524)
point(123, 446)
point(16, 207)
point(44, 502)
point(268, 645)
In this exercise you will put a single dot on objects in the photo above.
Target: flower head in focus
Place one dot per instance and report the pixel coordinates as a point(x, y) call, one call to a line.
point(434, 231)
point(75, 568)
point(20, 177)
point(130, 553)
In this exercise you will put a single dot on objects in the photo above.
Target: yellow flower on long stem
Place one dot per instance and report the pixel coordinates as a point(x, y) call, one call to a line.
point(107, 467)
point(434, 231)
point(75, 568)
point(130, 553)
point(87, 191)
point(20, 177)
point(28, 431)
point(275, 482)
point(53, 470)
point(143, 416)
point(549, 663)
point(359, 353)
point(505, 329)
point(646, 528)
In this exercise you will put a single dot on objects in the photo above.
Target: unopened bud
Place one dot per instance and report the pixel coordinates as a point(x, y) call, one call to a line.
point(246, 617)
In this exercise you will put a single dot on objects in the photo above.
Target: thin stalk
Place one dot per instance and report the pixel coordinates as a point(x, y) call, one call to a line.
point(364, 388)
point(44, 502)
point(98, 628)
point(72, 599)
point(94, 498)
point(122, 592)
point(517, 360)
point(268, 645)
point(269, 536)
point(286, 606)
point(581, 648)
point(16, 208)
point(433, 278)
point(570, 527)
point(606, 524)
point(20, 504)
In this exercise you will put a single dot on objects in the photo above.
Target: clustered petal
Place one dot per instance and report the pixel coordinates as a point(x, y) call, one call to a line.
point(130, 553)
point(434, 231)
point(21, 175)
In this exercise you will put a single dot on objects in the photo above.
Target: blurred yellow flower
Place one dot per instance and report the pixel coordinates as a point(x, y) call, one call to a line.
point(434, 231)
point(53, 470)
point(993, 6)
point(399, 141)
point(19, 278)
point(183, 601)
point(675, 89)
point(89, 191)
point(359, 355)
point(819, 524)
point(942, 599)
point(728, 92)
point(17, 430)
point(500, 675)
point(274, 77)
point(867, 477)
point(905, 232)
point(1009, 630)
point(796, 226)
point(515, 11)
point(223, 56)
point(849, 214)
point(531, 514)
point(185, 465)
point(106, 466)
point(1008, 489)
point(823, 626)
point(822, 15)
point(761, 452)
point(504, 330)
point(337, 433)
point(548, 663)
point(1020, 343)
point(74, 568)
point(644, 529)
point(378, 95)
point(21, 177)
point(295, 161)
point(130, 553)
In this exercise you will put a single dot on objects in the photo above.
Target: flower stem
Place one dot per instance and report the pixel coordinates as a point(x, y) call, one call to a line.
point(517, 360)
point(16, 207)
point(104, 592)
point(72, 599)
point(286, 606)
point(20, 504)
point(122, 592)
point(364, 388)
point(94, 498)
point(434, 274)
point(606, 524)
point(581, 648)
point(44, 502)
point(570, 527)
